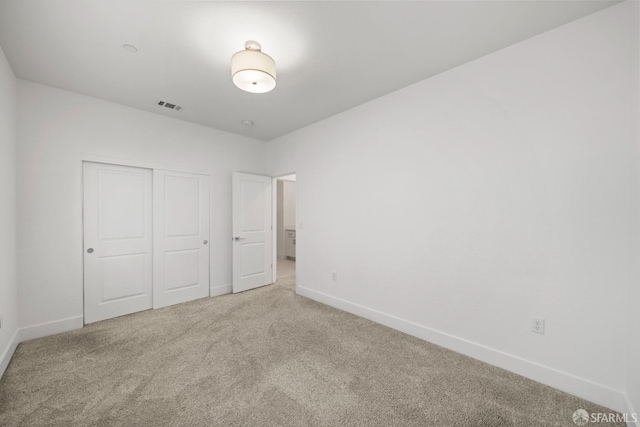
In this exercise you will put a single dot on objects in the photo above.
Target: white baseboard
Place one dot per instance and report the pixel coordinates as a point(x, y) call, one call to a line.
point(214, 291)
point(50, 328)
point(631, 410)
point(580, 387)
point(8, 353)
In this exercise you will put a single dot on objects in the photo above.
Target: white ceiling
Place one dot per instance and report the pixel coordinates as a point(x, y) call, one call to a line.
point(331, 56)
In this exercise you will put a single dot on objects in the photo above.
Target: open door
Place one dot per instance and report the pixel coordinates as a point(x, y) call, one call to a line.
point(252, 231)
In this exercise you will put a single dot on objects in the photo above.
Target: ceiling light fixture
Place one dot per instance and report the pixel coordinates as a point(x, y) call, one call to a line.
point(252, 70)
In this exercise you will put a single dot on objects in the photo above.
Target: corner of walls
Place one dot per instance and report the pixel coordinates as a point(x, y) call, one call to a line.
point(7, 354)
point(8, 214)
point(632, 412)
point(50, 328)
point(633, 296)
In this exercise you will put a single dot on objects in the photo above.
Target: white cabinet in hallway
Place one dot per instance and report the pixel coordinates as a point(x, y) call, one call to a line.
point(290, 244)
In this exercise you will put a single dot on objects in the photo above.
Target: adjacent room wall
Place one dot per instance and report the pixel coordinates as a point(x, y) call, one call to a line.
point(286, 212)
point(8, 226)
point(56, 130)
point(458, 208)
point(280, 218)
point(289, 205)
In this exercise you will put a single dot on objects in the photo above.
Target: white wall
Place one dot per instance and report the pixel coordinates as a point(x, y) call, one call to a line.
point(457, 208)
point(56, 129)
point(633, 312)
point(8, 226)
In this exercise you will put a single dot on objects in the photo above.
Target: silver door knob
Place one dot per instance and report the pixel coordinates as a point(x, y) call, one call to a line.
point(205, 242)
point(90, 250)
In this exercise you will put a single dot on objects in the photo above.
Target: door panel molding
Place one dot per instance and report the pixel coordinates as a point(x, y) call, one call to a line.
point(252, 231)
point(188, 229)
point(180, 230)
point(118, 263)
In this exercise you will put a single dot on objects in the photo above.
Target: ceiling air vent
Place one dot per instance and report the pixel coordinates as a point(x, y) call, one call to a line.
point(169, 105)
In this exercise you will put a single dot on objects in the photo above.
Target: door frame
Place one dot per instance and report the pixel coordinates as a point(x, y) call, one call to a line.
point(274, 221)
point(117, 161)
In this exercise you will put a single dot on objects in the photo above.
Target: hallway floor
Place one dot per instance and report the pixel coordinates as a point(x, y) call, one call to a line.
point(286, 267)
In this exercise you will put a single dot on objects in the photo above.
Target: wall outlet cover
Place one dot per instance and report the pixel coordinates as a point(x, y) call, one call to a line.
point(537, 325)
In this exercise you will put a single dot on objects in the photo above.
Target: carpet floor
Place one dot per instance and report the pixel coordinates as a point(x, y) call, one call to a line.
point(266, 357)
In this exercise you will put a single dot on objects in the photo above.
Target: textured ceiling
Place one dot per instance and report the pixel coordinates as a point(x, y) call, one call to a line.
point(331, 56)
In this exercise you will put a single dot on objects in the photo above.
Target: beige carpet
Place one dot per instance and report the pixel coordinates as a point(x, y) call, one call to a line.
point(266, 357)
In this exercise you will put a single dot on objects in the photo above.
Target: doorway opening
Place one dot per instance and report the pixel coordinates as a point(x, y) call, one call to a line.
point(285, 224)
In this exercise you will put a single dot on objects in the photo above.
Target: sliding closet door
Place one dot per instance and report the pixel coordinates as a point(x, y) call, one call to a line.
point(181, 237)
point(117, 240)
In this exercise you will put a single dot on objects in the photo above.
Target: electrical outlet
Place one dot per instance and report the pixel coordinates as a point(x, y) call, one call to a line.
point(537, 325)
point(334, 276)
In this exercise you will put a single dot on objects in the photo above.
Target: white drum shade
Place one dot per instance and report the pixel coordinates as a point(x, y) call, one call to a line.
point(252, 70)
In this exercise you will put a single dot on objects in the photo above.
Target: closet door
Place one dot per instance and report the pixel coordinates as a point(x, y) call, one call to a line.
point(117, 240)
point(181, 237)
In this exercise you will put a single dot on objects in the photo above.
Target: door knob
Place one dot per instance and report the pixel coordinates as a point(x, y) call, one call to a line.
point(205, 242)
point(90, 250)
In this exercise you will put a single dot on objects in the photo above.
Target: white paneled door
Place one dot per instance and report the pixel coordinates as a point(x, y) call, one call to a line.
point(117, 240)
point(252, 231)
point(180, 237)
